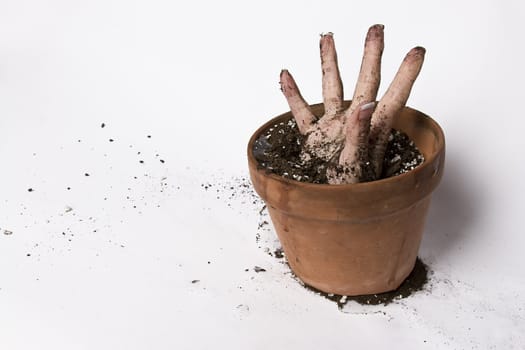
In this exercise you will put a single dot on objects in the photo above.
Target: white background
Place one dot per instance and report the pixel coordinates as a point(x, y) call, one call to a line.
point(111, 261)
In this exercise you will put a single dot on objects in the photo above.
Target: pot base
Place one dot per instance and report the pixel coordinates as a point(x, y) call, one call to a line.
point(416, 281)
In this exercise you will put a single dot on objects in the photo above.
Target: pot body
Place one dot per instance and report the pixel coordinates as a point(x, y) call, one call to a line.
point(360, 238)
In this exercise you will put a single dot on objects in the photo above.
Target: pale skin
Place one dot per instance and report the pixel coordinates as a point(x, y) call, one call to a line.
point(353, 140)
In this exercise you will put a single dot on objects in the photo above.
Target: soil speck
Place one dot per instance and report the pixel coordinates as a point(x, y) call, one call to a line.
point(278, 253)
point(262, 224)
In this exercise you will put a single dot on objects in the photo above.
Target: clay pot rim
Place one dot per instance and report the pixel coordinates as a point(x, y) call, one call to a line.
point(429, 161)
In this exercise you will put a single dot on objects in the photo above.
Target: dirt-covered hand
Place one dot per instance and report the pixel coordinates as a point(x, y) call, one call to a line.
point(353, 140)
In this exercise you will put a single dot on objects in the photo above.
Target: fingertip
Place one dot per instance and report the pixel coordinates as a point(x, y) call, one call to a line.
point(326, 39)
point(418, 50)
point(375, 32)
point(285, 76)
point(416, 54)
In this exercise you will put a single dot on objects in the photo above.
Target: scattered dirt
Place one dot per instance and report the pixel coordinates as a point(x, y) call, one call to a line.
point(237, 190)
point(262, 224)
point(278, 253)
point(78, 222)
point(280, 150)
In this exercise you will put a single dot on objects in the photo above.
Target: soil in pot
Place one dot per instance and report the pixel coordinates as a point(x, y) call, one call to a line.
point(279, 150)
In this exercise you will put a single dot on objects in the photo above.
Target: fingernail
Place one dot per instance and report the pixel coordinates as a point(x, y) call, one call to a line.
point(367, 106)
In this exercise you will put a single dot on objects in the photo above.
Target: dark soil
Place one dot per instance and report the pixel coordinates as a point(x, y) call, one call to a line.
point(417, 279)
point(278, 253)
point(279, 150)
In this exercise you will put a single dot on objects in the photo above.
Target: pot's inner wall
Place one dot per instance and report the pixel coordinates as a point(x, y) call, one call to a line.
point(420, 130)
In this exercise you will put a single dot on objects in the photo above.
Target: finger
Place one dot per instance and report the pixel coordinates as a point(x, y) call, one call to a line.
point(300, 109)
point(370, 73)
point(391, 104)
point(354, 165)
point(332, 85)
point(357, 131)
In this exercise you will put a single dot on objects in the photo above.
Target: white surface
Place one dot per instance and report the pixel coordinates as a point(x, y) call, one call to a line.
point(200, 79)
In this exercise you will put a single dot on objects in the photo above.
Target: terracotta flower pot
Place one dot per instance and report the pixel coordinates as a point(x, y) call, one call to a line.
point(359, 238)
